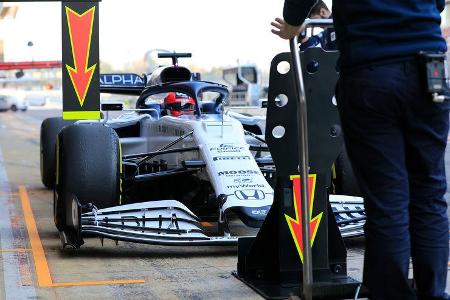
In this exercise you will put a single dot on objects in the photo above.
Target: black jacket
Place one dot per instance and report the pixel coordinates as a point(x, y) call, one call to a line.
point(375, 31)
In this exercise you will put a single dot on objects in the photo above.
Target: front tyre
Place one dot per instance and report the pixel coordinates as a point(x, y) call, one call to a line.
point(88, 167)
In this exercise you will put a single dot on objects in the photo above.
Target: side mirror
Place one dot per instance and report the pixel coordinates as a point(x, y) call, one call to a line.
point(112, 107)
point(196, 76)
point(222, 101)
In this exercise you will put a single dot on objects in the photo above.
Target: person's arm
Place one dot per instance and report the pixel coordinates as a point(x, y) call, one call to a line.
point(440, 4)
point(295, 13)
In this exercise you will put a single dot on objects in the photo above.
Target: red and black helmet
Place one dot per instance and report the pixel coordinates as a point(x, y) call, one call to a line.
point(179, 104)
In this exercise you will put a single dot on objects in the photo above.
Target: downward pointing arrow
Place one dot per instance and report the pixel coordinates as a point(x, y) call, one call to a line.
point(80, 31)
point(295, 225)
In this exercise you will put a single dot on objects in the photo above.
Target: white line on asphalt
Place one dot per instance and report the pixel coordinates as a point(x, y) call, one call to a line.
point(11, 272)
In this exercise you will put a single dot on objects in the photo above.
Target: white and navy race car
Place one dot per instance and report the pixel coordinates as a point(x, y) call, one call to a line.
point(163, 172)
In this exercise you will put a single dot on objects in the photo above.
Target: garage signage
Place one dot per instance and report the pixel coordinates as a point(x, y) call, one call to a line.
point(80, 57)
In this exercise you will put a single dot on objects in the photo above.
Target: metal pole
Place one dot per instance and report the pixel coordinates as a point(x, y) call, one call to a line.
point(303, 168)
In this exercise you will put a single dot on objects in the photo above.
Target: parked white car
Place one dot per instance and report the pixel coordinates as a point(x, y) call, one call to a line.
point(12, 100)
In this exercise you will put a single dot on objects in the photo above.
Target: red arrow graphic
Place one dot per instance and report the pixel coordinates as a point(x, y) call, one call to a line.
point(295, 225)
point(80, 31)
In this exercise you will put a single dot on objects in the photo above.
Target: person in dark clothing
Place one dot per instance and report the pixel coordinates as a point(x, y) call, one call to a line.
point(325, 39)
point(395, 137)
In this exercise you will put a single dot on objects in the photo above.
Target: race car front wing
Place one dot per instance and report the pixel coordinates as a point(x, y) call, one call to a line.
point(165, 222)
point(169, 222)
point(349, 214)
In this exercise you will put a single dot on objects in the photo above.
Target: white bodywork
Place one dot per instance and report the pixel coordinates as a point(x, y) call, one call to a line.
point(230, 166)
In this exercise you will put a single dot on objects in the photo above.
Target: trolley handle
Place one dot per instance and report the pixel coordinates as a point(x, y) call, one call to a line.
point(313, 23)
point(319, 23)
point(303, 159)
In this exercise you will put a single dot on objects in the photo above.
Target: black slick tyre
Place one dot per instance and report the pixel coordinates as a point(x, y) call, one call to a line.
point(49, 131)
point(88, 167)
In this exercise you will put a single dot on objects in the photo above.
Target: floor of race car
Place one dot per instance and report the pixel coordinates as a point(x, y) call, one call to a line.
point(33, 265)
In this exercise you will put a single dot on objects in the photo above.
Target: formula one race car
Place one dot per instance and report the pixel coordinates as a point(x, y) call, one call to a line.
point(160, 173)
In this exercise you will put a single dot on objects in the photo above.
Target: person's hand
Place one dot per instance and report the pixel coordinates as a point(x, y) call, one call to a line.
point(284, 30)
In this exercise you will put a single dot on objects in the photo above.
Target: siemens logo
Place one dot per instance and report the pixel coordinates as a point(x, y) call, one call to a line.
point(231, 158)
point(240, 172)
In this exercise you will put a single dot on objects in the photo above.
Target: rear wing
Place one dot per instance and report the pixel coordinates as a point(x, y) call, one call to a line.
point(124, 83)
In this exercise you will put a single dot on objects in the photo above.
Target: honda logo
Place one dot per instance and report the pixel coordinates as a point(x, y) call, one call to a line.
point(250, 194)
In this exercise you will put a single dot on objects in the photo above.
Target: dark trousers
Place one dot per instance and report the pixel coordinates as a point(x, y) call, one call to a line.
point(396, 138)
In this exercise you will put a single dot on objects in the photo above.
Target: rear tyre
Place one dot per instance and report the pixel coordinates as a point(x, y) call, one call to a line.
point(14, 107)
point(49, 131)
point(88, 167)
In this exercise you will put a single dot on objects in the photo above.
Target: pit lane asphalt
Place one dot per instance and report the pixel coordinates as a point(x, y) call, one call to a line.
point(149, 272)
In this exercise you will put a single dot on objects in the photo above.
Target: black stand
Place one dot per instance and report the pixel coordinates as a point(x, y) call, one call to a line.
point(271, 263)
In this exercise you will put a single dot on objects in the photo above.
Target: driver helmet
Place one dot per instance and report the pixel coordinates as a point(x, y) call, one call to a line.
point(178, 104)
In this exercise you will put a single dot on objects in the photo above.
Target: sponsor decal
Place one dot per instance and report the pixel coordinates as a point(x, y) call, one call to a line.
point(238, 172)
point(245, 183)
point(121, 80)
point(242, 180)
point(245, 186)
point(259, 212)
point(216, 158)
point(250, 194)
point(295, 225)
point(227, 148)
